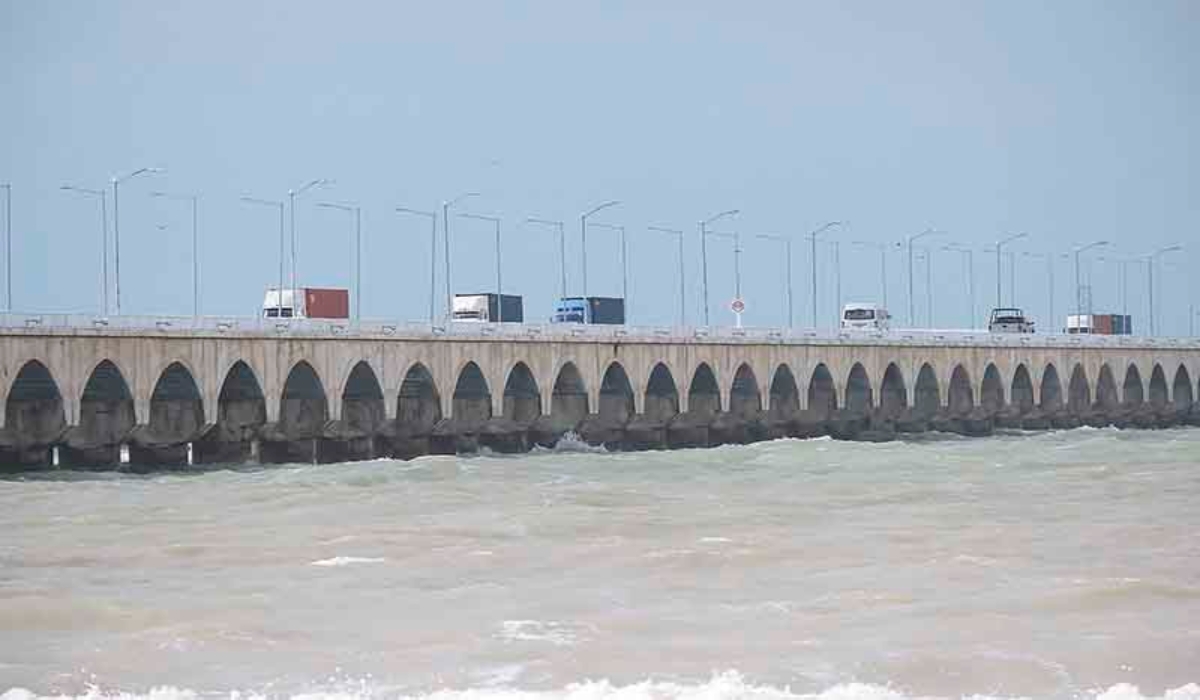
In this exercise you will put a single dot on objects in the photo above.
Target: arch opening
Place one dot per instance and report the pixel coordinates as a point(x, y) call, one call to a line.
point(569, 401)
point(34, 408)
point(745, 400)
point(241, 407)
point(991, 392)
point(960, 399)
point(662, 398)
point(106, 412)
point(1131, 388)
point(522, 401)
point(1052, 393)
point(472, 399)
point(822, 394)
point(784, 395)
point(1022, 390)
point(893, 398)
point(704, 396)
point(176, 408)
point(304, 410)
point(1106, 390)
point(418, 406)
point(1079, 394)
point(616, 395)
point(362, 400)
point(1158, 387)
point(859, 395)
point(1181, 392)
point(927, 398)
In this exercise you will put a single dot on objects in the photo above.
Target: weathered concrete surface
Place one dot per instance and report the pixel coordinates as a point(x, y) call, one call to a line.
point(164, 397)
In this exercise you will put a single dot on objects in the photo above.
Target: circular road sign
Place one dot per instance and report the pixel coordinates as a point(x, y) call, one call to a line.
point(737, 305)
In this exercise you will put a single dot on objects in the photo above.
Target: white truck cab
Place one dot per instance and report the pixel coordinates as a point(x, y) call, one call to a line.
point(865, 316)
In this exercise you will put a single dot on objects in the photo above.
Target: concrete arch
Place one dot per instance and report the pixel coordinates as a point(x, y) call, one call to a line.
point(1159, 396)
point(960, 398)
point(1106, 389)
point(363, 408)
point(927, 399)
point(418, 402)
point(822, 392)
point(1051, 389)
point(1131, 388)
point(241, 407)
point(745, 399)
point(106, 410)
point(991, 390)
point(1181, 391)
point(176, 407)
point(859, 395)
point(616, 395)
point(661, 396)
point(303, 404)
point(1079, 392)
point(472, 398)
point(893, 397)
point(569, 399)
point(784, 395)
point(1021, 391)
point(704, 394)
point(522, 400)
point(34, 406)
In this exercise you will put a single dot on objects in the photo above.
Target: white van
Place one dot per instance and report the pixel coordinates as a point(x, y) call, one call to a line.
point(864, 317)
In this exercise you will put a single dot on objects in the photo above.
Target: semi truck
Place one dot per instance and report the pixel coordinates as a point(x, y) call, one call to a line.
point(590, 310)
point(1009, 320)
point(489, 308)
point(865, 316)
point(1099, 324)
point(306, 302)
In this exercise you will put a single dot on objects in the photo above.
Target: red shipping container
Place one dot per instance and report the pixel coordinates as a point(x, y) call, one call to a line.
point(327, 303)
point(1103, 324)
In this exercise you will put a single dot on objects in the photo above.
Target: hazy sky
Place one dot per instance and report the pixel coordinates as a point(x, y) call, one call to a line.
point(1073, 121)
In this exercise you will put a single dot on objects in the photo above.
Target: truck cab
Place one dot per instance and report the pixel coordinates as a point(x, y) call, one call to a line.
point(863, 317)
point(1009, 320)
point(590, 310)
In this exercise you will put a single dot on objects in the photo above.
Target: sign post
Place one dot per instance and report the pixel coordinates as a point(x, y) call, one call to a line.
point(737, 306)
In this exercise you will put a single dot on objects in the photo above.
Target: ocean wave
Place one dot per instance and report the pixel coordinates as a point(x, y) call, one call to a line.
point(346, 561)
point(729, 685)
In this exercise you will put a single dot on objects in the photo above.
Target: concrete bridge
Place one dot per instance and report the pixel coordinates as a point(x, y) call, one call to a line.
point(175, 391)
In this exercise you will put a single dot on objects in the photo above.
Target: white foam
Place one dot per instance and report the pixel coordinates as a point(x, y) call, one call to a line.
point(729, 685)
point(556, 633)
point(346, 561)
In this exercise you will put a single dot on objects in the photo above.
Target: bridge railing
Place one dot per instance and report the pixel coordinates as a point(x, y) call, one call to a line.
point(246, 325)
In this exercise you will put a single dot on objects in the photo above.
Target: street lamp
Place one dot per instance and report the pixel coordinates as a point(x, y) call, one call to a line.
point(1078, 287)
point(432, 250)
point(678, 234)
point(279, 289)
point(357, 211)
point(583, 237)
point(704, 252)
point(787, 252)
point(969, 257)
point(194, 199)
point(999, 245)
point(812, 237)
point(624, 268)
point(562, 250)
point(116, 181)
point(909, 242)
point(499, 287)
point(103, 195)
point(882, 248)
point(8, 242)
point(446, 244)
point(1151, 261)
point(292, 194)
point(737, 266)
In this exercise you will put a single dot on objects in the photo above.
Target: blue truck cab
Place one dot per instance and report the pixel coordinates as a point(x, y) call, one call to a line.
point(591, 310)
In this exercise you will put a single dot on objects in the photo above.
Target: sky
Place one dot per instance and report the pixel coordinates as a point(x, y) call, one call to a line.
point(1071, 122)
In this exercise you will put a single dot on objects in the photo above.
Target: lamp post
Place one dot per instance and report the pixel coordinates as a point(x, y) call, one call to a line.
point(583, 237)
point(116, 182)
point(624, 267)
point(432, 250)
point(562, 250)
point(704, 252)
point(787, 253)
point(909, 242)
point(357, 211)
point(679, 235)
point(812, 238)
point(1151, 261)
point(499, 286)
point(737, 264)
point(882, 248)
point(103, 195)
point(446, 244)
point(1078, 286)
point(1000, 244)
point(279, 289)
point(194, 199)
point(8, 244)
point(292, 194)
point(969, 258)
